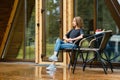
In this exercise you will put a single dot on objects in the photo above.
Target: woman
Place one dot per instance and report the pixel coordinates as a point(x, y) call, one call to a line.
point(74, 34)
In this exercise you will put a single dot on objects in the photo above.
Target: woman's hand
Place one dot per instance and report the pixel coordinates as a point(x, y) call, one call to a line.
point(69, 40)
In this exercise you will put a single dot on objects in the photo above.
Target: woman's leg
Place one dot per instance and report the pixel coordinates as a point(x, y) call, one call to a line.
point(62, 45)
point(54, 56)
point(58, 44)
point(67, 45)
point(56, 49)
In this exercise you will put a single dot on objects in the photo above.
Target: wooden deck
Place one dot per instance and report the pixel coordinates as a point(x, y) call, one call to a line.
point(28, 71)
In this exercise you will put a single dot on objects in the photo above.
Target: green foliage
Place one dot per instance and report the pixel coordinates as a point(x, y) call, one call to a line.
point(52, 17)
point(50, 49)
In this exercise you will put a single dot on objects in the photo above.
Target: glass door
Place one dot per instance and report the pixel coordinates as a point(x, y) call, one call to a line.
point(52, 26)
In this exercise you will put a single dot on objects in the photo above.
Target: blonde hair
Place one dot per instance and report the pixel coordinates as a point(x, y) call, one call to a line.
point(79, 21)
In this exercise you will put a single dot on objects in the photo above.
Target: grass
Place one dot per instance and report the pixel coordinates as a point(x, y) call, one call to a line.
point(30, 51)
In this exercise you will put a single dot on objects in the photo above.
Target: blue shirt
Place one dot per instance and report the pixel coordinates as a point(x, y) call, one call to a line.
point(74, 33)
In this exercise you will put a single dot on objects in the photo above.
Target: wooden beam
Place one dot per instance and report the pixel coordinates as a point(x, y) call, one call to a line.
point(9, 25)
point(67, 22)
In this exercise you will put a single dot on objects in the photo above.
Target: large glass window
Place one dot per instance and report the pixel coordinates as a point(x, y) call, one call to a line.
point(105, 21)
point(52, 25)
point(85, 9)
point(30, 30)
point(100, 16)
point(22, 35)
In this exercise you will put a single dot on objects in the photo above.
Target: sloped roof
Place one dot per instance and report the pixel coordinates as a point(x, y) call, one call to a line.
point(5, 11)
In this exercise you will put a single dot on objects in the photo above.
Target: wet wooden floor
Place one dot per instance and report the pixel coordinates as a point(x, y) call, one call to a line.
point(27, 71)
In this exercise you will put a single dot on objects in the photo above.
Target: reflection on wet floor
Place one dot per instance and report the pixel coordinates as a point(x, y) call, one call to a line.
point(18, 71)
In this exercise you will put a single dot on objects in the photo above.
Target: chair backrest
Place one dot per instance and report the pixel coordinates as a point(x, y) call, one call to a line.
point(105, 39)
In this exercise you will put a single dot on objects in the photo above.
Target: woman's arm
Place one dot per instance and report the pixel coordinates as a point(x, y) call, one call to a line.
point(67, 39)
point(66, 36)
point(77, 38)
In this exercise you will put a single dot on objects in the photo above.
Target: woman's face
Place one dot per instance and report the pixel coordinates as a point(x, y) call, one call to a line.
point(74, 23)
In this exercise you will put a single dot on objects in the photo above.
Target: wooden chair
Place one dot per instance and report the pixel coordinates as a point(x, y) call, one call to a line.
point(98, 50)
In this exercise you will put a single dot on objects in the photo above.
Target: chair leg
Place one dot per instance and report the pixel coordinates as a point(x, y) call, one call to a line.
point(93, 59)
point(76, 58)
point(71, 55)
point(70, 63)
point(84, 64)
point(103, 65)
point(108, 60)
point(110, 65)
point(75, 61)
point(101, 61)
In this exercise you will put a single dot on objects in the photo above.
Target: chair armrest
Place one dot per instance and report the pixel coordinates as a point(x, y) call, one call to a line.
point(91, 39)
point(90, 43)
point(80, 43)
point(85, 38)
point(77, 41)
